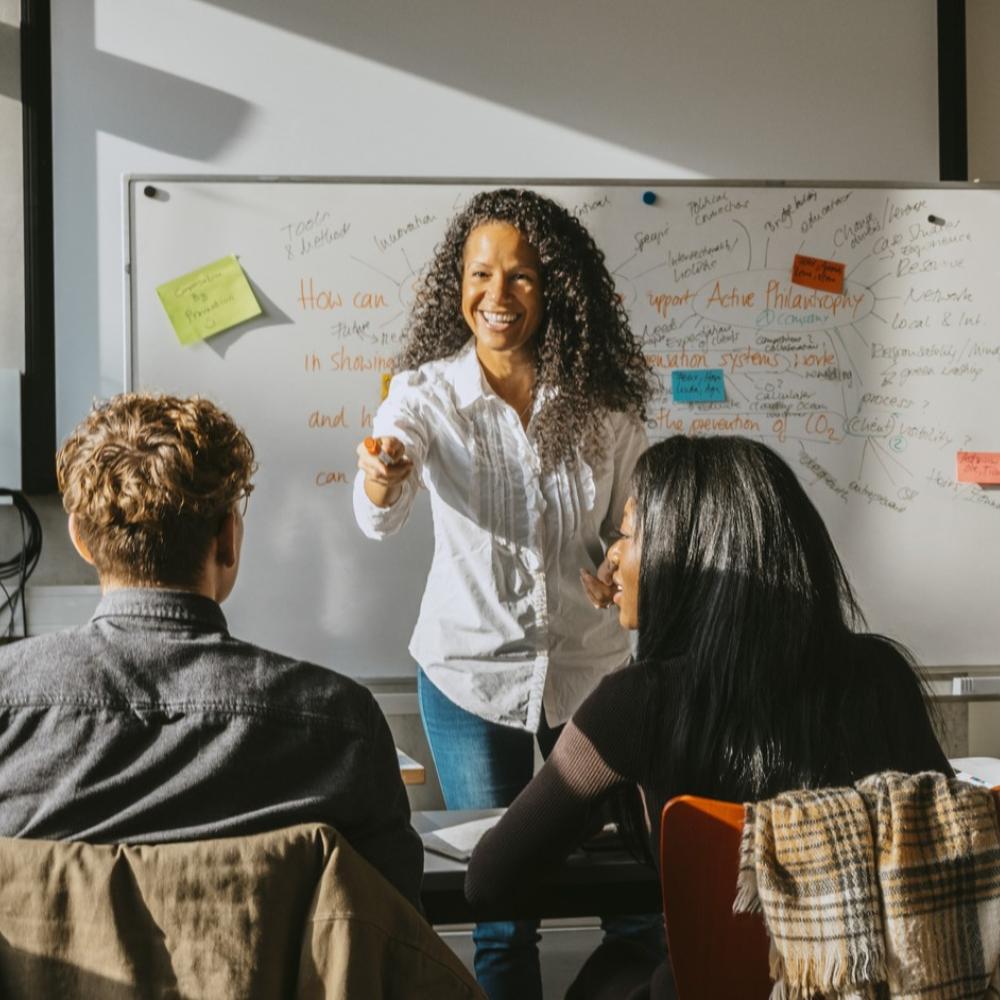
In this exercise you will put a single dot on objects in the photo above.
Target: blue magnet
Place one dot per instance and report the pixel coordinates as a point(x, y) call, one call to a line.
point(649, 197)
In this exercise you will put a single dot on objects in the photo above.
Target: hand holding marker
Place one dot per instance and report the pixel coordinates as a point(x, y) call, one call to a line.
point(374, 447)
point(385, 466)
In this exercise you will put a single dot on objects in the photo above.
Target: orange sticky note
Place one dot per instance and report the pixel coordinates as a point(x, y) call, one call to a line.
point(978, 467)
point(814, 272)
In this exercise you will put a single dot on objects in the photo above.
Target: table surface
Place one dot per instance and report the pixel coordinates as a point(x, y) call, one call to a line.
point(604, 882)
point(413, 773)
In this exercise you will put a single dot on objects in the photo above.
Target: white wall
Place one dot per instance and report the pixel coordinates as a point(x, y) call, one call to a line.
point(11, 190)
point(982, 30)
point(641, 88)
point(11, 246)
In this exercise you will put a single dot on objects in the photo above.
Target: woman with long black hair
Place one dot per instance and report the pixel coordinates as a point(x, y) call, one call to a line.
point(751, 677)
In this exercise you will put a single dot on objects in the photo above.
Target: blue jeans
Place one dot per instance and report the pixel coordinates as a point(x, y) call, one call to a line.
point(483, 765)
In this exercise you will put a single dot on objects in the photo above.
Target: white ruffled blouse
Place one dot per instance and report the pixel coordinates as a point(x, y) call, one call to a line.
point(505, 627)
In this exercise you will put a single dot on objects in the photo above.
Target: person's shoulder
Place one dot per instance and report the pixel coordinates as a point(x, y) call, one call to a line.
point(625, 430)
point(69, 667)
point(887, 711)
point(623, 422)
point(632, 675)
point(616, 697)
point(615, 718)
point(30, 661)
point(879, 652)
point(19, 649)
point(413, 388)
point(406, 387)
point(15, 655)
point(288, 685)
point(881, 662)
point(440, 371)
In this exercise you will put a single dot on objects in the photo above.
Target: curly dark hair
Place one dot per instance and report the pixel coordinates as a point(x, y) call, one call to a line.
point(585, 349)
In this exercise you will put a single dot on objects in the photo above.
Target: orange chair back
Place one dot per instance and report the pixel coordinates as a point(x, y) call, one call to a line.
point(715, 954)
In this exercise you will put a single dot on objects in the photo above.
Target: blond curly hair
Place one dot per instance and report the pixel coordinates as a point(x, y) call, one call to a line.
point(149, 479)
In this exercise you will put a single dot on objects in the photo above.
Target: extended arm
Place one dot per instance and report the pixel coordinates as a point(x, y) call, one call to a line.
point(384, 494)
point(600, 749)
point(544, 823)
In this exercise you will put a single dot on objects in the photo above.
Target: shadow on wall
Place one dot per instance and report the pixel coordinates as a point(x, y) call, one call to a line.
point(118, 88)
point(708, 85)
point(560, 62)
point(715, 89)
point(10, 62)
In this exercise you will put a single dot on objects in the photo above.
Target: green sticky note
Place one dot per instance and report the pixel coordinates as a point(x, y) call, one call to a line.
point(209, 300)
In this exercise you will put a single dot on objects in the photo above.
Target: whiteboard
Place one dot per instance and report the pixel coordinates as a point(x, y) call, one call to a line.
point(868, 394)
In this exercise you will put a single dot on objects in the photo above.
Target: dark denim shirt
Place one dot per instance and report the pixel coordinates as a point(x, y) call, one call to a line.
point(151, 723)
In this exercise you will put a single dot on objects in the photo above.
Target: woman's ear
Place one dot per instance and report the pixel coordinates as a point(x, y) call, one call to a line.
point(78, 543)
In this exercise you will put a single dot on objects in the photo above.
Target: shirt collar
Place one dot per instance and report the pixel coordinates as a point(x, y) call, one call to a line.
point(166, 605)
point(468, 380)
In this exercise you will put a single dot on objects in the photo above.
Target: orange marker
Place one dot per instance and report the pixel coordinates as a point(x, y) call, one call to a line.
point(374, 447)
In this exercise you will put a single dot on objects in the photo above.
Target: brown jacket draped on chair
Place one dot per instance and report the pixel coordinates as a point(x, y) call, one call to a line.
point(296, 913)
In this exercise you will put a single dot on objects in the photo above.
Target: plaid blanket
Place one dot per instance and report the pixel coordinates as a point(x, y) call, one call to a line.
point(888, 889)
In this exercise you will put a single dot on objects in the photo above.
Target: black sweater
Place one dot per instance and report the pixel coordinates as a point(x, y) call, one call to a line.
point(883, 725)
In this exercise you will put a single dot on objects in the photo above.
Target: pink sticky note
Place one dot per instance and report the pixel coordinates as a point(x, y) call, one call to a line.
point(978, 467)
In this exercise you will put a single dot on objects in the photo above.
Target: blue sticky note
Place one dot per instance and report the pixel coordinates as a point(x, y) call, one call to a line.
point(699, 385)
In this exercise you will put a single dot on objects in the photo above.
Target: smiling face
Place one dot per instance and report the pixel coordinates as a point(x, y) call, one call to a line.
point(624, 556)
point(501, 290)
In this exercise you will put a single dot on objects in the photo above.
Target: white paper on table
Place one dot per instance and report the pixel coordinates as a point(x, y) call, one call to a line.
point(977, 770)
point(458, 841)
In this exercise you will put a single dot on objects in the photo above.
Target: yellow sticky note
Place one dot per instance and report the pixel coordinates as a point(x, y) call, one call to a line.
point(209, 300)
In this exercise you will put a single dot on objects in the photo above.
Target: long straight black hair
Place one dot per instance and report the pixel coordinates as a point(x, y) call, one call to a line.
point(745, 618)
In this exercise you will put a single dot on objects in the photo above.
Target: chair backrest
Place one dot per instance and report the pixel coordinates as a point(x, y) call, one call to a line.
point(295, 913)
point(715, 954)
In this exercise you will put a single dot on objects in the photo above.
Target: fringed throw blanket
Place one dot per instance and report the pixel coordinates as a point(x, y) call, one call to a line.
point(890, 889)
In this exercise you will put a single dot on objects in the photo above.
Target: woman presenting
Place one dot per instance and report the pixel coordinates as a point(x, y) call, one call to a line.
point(519, 408)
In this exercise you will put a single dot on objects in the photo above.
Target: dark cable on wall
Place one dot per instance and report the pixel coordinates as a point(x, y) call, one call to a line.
point(20, 566)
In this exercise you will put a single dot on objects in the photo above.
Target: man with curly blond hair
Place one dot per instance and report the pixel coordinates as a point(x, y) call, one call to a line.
point(151, 722)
